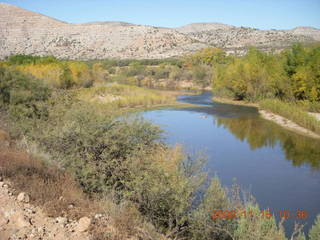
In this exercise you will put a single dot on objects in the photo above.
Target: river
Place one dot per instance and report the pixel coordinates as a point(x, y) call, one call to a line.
point(279, 167)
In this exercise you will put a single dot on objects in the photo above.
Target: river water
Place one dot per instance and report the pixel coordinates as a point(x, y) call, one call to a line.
point(279, 167)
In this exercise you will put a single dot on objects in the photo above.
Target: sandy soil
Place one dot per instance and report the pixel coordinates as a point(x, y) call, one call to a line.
point(284, 122)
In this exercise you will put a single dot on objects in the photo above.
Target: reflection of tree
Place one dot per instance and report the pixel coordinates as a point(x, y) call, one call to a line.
point(259, 133)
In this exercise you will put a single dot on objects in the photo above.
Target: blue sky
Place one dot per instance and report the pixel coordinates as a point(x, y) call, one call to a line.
point(263, 14)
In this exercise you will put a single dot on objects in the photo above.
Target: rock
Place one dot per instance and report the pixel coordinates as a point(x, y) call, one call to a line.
point(98, 216)
point(30, 211)
point(71, 206)
point(62, 220)
point(3, 219)
point(23, 197)
point(41, 230)
point(83, 224)
point(1, 178)
point(1, 184)
point(20, 220)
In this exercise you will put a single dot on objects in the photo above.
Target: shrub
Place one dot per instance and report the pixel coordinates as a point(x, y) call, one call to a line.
point(22, 95)
point(255, 226)
point(202, 226)
point(27, 59)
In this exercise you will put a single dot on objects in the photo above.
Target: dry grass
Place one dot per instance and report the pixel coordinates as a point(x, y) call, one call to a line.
point(123, 96)
point(292, 112)
point(48, 186)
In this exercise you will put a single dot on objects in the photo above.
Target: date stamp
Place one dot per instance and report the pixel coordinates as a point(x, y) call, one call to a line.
point(267, 214)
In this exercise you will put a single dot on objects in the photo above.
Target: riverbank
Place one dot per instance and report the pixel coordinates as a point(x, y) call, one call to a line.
point(276, 118)
point(124, 98)
point(286, 123)
point(234, 102)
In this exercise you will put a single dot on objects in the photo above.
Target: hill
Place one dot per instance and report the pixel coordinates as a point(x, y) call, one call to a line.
point(27, 32)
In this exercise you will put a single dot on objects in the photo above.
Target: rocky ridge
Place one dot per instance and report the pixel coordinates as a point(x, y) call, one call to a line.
point(26, 32)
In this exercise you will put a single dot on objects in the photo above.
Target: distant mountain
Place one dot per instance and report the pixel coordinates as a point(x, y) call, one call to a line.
point(306, 31)
point(235, 40)
point(201, 27)
point(26, 32)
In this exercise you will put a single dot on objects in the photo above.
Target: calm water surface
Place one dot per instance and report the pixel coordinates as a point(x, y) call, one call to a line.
point(280, 168)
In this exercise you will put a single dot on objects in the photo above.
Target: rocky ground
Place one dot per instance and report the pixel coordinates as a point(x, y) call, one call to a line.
point(21, 220)
point(26, 32)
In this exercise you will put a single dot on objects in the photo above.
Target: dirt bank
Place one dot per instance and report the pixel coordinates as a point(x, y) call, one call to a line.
point(286, 123)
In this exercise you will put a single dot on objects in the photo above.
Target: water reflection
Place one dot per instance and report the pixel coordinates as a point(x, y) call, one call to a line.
point(261, 133)
point(246, 125)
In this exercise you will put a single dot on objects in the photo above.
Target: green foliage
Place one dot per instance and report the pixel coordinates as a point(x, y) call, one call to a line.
point(66, 80)
point(118, 156)
point(255, 226)
point(302, 66)
point(291, 75)
point(57, 73)
point(256, 76)
point(314, 233)
point(202, 226)
point(300, 236)
point(27, 59)
point(113, 155)
point(208, 56)
point(22, 94)
point(74, 74)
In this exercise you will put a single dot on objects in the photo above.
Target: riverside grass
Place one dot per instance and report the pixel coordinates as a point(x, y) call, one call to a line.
point(124, 96)
point(293, 112)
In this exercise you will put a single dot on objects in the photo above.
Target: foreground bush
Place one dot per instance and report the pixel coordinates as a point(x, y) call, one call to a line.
point(255, 226)
point(22, 95)
point(120, 157)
